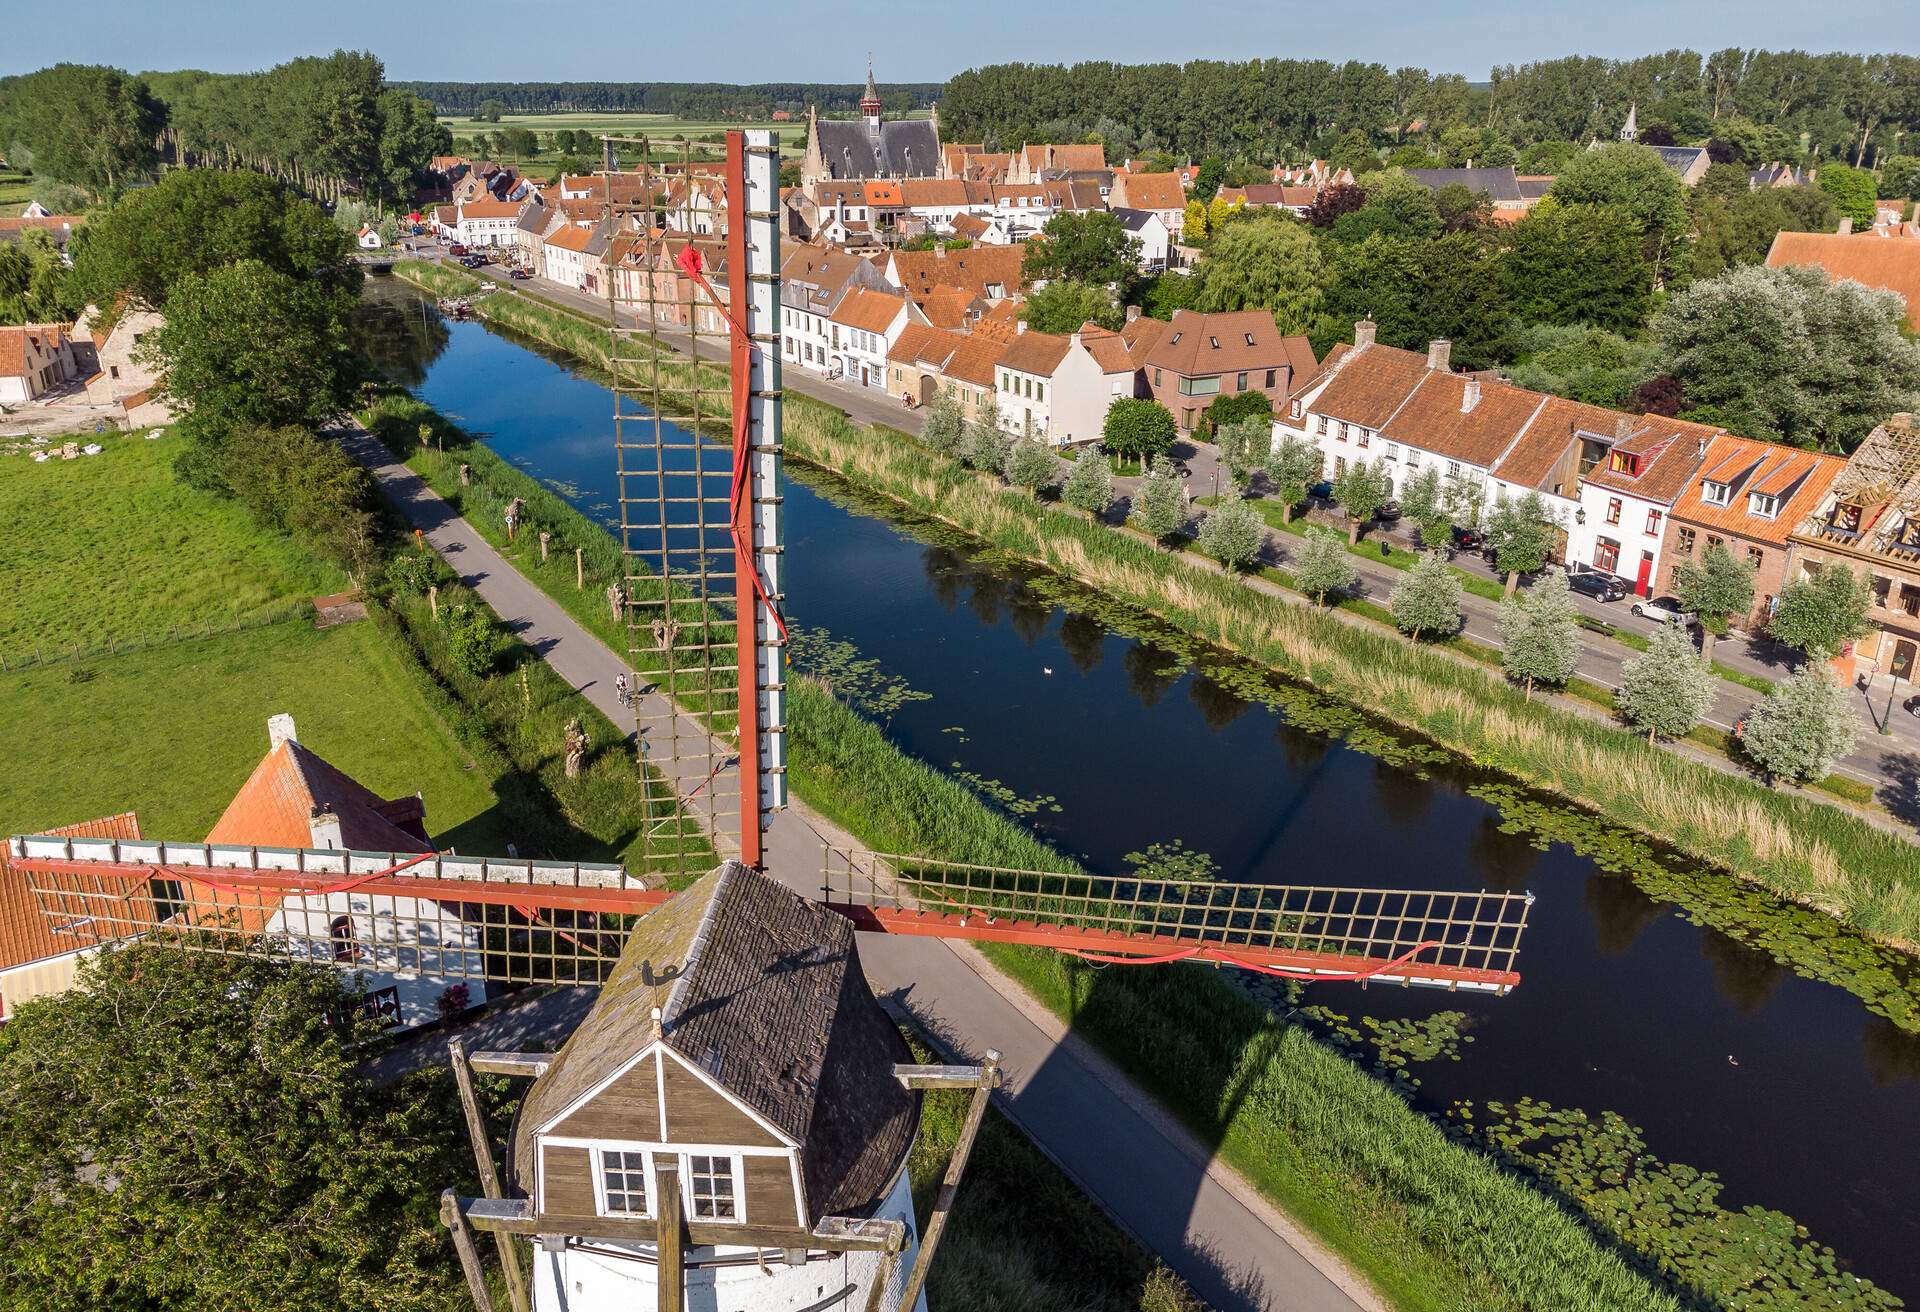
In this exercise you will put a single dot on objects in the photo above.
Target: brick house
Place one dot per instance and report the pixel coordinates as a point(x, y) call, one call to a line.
point(1057, 387)
point(1203, 356)
point(1747, 496)
point(925, 359)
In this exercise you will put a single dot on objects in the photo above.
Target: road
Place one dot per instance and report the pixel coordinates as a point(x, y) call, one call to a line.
point(1235, 1250)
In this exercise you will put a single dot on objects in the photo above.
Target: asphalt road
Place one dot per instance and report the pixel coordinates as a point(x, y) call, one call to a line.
point(1151, 1174)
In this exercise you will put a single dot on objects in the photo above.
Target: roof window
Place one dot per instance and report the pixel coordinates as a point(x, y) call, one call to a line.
point(1249, 337)
point(1214, 342)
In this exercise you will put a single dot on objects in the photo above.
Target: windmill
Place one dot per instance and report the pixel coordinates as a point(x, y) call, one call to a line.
point(735, 1112)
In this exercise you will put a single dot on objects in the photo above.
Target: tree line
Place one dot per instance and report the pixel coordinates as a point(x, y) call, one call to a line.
point(716, 100)
point(328, 125)
point(1827, 106)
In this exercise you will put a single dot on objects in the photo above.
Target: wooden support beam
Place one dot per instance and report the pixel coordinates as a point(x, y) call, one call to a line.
point(881, 1280)
point(835, 1234)
point(533, 1064)
point(671, 1246)
point(489, 1174)
point(455, 1219)
point(936, 1223)
point(939, 1077)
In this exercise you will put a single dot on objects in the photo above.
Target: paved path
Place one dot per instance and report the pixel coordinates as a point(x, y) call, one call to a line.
point(1150, 1173)
point(1891, 762)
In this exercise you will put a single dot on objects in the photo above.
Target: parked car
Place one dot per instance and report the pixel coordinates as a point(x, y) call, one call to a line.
point(1323, 489)
point(1469, 539)
point(1668, 609)
point(1599, 585)
point(1388, 513)
point(519, 275)
point(456, 249)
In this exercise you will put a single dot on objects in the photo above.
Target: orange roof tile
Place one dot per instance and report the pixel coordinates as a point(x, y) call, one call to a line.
point(868, 310)
point(25, 933)
point(1221, 343)
point(1883, 262)
point(1799, 479)
point(490, 209)
point(1148, 191)
point(1436, 417)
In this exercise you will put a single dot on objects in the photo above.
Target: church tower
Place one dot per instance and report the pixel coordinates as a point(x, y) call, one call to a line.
point(1630, 130)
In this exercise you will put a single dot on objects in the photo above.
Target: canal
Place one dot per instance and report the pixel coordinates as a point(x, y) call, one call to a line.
point(1790, 1089)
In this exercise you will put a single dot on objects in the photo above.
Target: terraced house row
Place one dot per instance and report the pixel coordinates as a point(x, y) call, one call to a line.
point(1635, 496)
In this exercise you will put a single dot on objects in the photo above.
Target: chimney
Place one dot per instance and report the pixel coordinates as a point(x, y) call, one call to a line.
point(1363, 334)
point(1470, 395)
point(1074, 336)
point(1701, 449)
point(1019, 326)
point(939, 250)
point(280, 730)
point(1133, 312)
point(1622, 427)
point(1439, 350)
point(324, 825)
point(1846, 226)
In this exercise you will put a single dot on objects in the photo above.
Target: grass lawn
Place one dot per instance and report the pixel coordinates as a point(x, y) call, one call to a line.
point(16, 189)
point(112, 547)
point(665, 128)
point(173, 732)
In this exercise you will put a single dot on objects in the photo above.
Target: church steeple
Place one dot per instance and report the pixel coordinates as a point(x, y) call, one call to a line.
point(870, 102)
point(1630, 130)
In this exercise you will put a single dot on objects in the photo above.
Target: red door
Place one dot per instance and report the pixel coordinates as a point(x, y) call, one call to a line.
point(1641, 584)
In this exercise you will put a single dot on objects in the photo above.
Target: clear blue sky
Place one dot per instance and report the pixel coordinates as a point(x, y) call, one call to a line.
point(827, 40)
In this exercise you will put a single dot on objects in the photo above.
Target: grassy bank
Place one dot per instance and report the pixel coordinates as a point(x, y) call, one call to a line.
point(1797, 848)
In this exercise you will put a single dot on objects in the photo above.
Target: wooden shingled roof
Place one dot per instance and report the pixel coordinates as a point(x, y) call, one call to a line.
point(762, 991)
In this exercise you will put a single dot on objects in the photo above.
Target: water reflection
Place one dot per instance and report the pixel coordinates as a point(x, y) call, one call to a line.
point(403, 335)
point(1619, 911)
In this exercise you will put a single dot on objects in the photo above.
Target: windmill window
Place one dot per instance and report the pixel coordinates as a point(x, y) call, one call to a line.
point(623, 1183)
point(712, 1188)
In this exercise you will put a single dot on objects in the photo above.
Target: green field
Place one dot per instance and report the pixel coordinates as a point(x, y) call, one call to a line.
point(664, 128)
point(112, 547)
point(16, 189)
point(173, 732)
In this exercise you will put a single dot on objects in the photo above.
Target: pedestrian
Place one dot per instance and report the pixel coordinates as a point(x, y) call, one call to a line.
point(620, 688)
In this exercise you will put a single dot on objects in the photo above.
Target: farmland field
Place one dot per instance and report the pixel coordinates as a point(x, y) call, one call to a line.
point(793, 135)
point(16, 189)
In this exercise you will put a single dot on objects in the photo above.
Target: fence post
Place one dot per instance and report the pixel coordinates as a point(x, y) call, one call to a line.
point(579, 569)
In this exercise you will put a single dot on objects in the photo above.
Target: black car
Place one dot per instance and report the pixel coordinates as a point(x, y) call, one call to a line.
point(1323, 489)
point(518, 275)
point(1598, 585)
point(1388, 513)
point(1469, 539)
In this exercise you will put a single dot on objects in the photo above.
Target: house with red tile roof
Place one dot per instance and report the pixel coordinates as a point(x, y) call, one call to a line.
point(863, 328)
point(1160, 193)
point(106, 358)
point(1203, 356)
point(1032, 163)
point(1747, 496)
point(295, 799)
point(1887, 263)
point(991, 273)
point(1057, 387)
point(813, 282)
point(39, 956)
point(34, 358)
point(926, 360)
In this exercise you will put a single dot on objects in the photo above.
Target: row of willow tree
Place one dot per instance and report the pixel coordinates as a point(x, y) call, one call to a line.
point(715, 100)
point(1836, 105)
point(328, 125)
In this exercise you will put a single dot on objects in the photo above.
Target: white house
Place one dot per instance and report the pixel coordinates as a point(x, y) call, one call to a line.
point(1058, 387)
point(369, 239)
point(1151, 231)
point(813, 282)
point(34, 358)
point(1641, 464)
point(862, 329)
point(487, 222)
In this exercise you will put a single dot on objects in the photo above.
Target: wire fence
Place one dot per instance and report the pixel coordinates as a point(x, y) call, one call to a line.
point(40, 654)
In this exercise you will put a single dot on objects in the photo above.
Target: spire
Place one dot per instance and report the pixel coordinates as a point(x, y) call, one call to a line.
point(870, 102)
point(1630, 131)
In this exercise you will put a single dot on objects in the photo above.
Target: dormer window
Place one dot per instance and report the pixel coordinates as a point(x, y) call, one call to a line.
point(1763, 504)
point(1624, 462)
point(1716, 494)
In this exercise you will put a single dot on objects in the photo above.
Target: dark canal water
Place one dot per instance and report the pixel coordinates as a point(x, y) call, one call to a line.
point(1791, 1090)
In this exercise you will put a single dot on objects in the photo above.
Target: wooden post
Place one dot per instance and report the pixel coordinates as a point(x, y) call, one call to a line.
point(489, 1173)
point(433, 599)
point(950, 1183)
point(579, 568)
point(670, 1249)
point(456, 1223)
point(545, 537)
